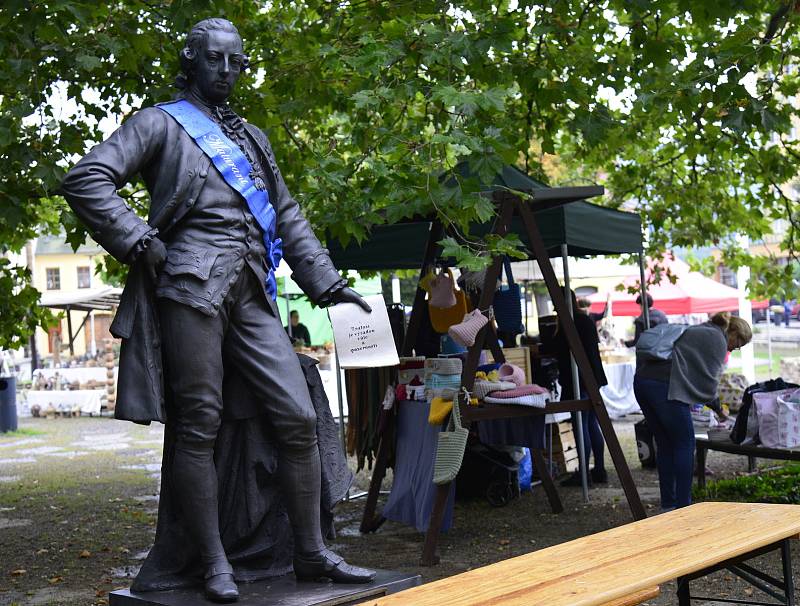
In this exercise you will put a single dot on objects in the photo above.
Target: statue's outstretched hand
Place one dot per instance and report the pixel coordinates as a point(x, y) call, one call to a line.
point(348, 295)
point(154, 256)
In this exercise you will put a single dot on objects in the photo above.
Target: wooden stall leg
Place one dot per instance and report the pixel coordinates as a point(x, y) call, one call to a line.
point(429, 557)
point(547, 481)
point(582, 360)
point(369, 523)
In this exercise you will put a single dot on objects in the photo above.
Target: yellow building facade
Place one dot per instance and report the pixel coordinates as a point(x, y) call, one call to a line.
point(60, 271)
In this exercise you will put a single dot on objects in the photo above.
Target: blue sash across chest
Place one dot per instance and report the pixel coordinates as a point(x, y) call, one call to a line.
point(235, 169)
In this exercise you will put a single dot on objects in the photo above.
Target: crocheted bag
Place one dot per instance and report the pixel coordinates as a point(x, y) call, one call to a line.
point(466, 332)
point(450, 449)
point(443, 290)
point(507, 309)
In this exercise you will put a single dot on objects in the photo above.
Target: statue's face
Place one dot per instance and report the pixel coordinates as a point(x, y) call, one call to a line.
point(218, 65)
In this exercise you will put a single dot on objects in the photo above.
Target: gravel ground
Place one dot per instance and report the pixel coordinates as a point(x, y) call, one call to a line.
point(78, 500)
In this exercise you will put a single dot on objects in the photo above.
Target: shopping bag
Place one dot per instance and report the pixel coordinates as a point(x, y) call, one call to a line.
point(789, 420)
point(766, 406)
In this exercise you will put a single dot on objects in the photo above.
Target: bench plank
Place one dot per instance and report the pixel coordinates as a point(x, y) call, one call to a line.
point(636, 598)
point(616, 563)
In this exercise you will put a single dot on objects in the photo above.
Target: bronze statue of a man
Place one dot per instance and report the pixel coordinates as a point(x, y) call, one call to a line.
point(200, 293)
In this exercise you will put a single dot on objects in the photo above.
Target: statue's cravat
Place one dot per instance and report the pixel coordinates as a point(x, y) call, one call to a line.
point(233, 127)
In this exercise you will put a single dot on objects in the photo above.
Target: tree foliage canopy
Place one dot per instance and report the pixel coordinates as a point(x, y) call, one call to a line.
point(685, 110)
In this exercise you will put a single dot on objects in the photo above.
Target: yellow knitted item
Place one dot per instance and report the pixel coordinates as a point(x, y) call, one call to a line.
point(493, 376)
point(440, 408)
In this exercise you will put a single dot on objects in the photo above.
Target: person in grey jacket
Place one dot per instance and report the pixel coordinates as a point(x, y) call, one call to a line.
point(200, 297)
point(666, 390)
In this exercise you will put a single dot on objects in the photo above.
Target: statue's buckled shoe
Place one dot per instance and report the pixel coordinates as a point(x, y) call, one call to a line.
point(327, 564)
point(220, 585)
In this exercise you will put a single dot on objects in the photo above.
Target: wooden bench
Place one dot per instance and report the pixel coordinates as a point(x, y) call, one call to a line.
point(622, 565)
point(703, 445)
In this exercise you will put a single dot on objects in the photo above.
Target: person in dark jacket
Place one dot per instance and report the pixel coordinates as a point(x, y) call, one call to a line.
point(666, 390)
point(592, 435)
point(656, 317)
point(297, 331)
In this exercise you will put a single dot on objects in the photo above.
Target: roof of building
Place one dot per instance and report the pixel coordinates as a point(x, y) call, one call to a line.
point(58, 245)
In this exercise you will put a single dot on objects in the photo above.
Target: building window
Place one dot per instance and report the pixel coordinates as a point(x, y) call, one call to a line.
point(53, 278)
point(84, 277)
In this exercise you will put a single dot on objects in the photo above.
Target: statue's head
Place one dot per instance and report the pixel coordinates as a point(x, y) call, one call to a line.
point(212, 59)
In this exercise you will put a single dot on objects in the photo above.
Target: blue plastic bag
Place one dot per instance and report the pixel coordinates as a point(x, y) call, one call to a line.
point(525, 472)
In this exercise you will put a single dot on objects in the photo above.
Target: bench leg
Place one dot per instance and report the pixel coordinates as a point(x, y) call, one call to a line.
point(751, 464)
point(547, 481)
point(788, 581)
point(701, 466)
point(684, 597)
point(429, 557)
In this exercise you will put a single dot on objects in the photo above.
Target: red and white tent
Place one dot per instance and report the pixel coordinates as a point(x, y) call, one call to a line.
point(691, 293)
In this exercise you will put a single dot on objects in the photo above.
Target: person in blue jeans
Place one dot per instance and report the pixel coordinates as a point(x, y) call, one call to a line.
point(665, 390)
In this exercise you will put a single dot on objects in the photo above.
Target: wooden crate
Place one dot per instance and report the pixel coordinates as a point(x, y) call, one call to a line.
point(565, 449)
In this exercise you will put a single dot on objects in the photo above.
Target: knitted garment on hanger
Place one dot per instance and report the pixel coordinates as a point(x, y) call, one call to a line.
point(536, 401)
point(467, 331)
point(436, 381)
point(443, 366)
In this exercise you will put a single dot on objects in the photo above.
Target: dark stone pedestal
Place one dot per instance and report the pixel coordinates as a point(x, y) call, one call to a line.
point(283, 591)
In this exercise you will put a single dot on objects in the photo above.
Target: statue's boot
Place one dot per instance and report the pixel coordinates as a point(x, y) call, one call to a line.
point(300, 477)
point(195, 478)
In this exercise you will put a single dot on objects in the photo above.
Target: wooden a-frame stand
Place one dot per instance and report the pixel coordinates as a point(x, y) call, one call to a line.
point(509, 205)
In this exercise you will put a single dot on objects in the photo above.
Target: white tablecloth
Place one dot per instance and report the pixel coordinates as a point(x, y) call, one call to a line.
point(89, 400)
point(618, 394)
point(82, 374)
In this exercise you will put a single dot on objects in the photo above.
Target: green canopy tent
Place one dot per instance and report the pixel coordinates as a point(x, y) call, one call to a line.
point(550, 222)
point(585, 229)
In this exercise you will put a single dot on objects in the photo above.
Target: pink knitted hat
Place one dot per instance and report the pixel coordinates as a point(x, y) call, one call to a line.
point(466, 332)
point(511, 373)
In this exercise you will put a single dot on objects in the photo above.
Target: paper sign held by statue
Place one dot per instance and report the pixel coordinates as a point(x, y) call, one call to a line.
point(363, 340)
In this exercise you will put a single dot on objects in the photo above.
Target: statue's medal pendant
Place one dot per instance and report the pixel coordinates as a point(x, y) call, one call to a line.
point(255, 177)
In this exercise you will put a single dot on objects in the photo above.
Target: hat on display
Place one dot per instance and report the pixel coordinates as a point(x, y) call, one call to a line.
point(511, 373)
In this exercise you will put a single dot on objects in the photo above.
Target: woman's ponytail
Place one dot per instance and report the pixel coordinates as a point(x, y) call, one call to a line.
point(722, 319)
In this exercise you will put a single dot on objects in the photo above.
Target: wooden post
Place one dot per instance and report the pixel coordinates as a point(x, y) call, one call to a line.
point(575, 345)
point(431, 250)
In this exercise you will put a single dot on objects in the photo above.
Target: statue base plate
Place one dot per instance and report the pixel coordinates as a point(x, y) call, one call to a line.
point(281, 591)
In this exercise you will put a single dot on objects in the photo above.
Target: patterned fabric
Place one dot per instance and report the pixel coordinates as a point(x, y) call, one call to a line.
point(522, 390)
point(537, 401)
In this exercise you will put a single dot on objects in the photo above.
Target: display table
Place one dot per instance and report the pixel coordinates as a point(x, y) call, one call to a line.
point(703, 445)
point(82, 374)
point(88, 400)
point(618, 394)
point(413, 490)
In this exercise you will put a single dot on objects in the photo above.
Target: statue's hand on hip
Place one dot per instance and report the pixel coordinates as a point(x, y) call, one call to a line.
point(348, 295)
point(154, 256)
